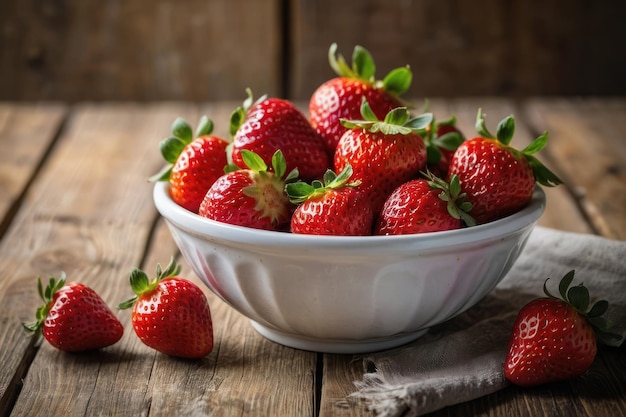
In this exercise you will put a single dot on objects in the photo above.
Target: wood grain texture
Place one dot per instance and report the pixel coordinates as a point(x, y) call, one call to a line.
point(88, 210)
point(140, 50)
point(28, 132)
point(587, 140)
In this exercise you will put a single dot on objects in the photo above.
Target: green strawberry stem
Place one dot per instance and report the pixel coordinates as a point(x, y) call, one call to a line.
point(46, 295)
point(397, 121)
point(449, 141)
point(238, 116)
point(578, 298)
point(141, 284)
point(172, 146)
point(299, 192)
point(451, 193)
point(363, 68)
point(504, 135)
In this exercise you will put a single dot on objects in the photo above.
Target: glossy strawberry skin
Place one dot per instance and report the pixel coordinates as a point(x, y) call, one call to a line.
point(414, 207)
point(174, 319)
point(276, 124)
point(550, 342)
point(381, 162)
point(226, 202)
point(79, 320)
point(497, 182)
point(198, 166)
point(339, 212)
point(341, 97)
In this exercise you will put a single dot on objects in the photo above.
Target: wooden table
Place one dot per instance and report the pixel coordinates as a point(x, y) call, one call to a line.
point(74, 196)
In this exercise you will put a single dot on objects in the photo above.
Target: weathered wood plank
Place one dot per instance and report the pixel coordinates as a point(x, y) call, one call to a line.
point(98, 232)
point(587, 140)
point(513, 48)
point(140, 50)
point(88, 213)
point(26, 134)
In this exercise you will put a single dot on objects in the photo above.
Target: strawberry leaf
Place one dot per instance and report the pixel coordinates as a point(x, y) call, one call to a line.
point(536, 145)
point(542, 174)
point(253, 161)
point(338, 63)
point(398, 116)
point(367, 112)
point(182, 130)
point(420, 122)
point(449, 141)
point(162, 175)
point(205, 127)
point(481, 127)
point(171, 148)
point(279, 164)
point(363, 65)
point(598, 309)
point(398, 80)
point(505, 130)
point(564, 284)
point(578, 297)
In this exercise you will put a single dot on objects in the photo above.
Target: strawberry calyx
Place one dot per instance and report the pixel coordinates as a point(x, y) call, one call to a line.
point(578, 298)
point(46, 294)
point(453, 195)
point(300, 191)
point(268, 188)
point(397, 121)
point(504, 135)
point(172, 146)
point(141, 284)
point(363, 68)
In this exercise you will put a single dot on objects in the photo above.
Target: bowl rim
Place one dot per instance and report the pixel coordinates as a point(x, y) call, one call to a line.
point(201, 226)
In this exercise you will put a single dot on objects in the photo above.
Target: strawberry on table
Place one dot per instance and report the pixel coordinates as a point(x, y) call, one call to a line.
point(341, 97)
point(424, 205)
point(332, 207)
point(383, 154)
point(74, 318)
point(252, 197)
point(170, 314)
point(499, 180)
point(272, 124)
point(192, 164)
point(556, 338)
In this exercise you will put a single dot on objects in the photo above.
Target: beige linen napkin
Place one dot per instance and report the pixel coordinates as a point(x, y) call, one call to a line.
point(462, 359)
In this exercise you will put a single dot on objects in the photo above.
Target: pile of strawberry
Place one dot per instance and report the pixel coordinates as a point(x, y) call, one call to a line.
point(360, 164)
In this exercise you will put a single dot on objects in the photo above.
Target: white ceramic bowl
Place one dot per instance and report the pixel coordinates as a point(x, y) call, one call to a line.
point(348, 294)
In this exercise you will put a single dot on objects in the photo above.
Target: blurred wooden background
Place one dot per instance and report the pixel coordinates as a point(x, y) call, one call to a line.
point(201, 50)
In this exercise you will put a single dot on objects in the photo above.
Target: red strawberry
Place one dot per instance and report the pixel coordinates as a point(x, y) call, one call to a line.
point(170, 314)
point(383, 154)
point(252, 197)
point(74, 318)
point(334, 207)
point(273, 124)
point(555, 338)
point(341, 97)
point(193, 164)
point(424, 205)
point(499, 179)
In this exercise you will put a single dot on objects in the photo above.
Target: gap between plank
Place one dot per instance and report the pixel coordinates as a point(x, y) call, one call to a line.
point(14, 388)
point(17, 203)
point(317, 384)
point(284, 17)
point(547, 156)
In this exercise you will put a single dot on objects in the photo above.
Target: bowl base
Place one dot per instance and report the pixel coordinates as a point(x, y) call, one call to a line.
point(335, 345)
